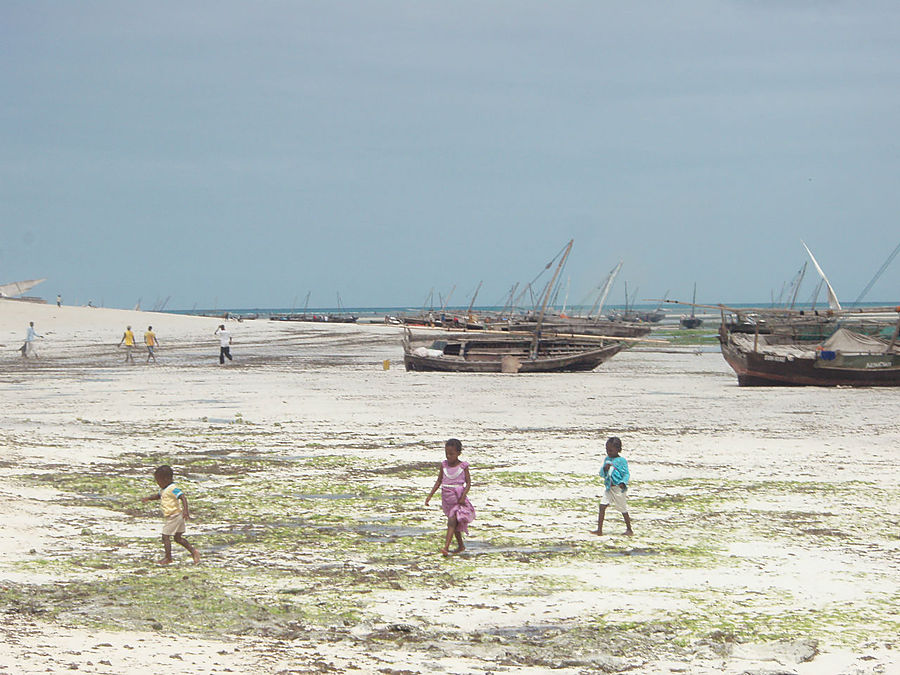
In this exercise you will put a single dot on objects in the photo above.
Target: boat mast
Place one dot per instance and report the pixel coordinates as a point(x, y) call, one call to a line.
point(878, 274)
point(832, 298)
point(449, 295)
point(797, 282)
point(693, 301)
point(471, 304)
point(428, 299)
point(509, 303)
point(540, 321)
point(604, 290)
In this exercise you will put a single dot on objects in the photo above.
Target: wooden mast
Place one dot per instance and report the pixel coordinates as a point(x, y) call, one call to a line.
point(540, 321)
point(694, 300)
point(472, 304)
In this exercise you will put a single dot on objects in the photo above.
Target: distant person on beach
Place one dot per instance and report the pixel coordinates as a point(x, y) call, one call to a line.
point(28, 349)
point(615, 479)
point(454, 482)
point(58, 300)
point(128, 339)
point(151, 342)
point(224, 343)
point(174, 507)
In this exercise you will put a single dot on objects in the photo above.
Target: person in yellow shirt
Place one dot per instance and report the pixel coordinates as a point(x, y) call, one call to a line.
point(174, 507)
point(151, 342)
point(128, 339)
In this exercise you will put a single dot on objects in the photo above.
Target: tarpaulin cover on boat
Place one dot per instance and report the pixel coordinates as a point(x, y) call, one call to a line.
point(848, 342)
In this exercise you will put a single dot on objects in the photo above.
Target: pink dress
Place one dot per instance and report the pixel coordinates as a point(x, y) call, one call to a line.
point(453, 482)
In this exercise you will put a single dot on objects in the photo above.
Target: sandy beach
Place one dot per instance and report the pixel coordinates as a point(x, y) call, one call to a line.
point(766, 520)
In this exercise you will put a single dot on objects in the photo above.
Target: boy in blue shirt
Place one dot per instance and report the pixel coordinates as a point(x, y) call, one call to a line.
point(615, 478)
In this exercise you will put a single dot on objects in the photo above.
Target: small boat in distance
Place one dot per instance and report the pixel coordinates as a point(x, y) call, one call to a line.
point(692, 321)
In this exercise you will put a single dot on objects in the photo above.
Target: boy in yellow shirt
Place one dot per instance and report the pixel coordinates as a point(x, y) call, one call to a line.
point(128, 339)
point(175, 512)
point(151, 342)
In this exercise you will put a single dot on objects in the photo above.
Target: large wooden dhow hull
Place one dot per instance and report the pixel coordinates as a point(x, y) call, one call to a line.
point(456, 354)
point(810, 367)
point(576, 327)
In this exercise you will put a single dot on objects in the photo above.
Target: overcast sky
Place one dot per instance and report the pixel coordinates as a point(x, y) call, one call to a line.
point(242, 154)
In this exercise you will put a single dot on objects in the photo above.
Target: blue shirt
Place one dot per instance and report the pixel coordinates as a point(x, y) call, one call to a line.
point(614, 471)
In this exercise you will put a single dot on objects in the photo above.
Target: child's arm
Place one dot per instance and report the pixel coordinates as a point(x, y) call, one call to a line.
point(150, 498)
point(184, 507)
point(605, 468)
point(437, 484)
point(462, 496)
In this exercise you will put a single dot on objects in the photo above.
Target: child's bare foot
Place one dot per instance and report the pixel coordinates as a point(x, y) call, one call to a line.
point(164, 561)
point(445, 552)
point(628, 533)
point(599, 533)
point(458, 549)
point(195, 554)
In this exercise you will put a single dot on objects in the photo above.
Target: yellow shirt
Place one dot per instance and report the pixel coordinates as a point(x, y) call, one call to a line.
point(169, 500)
point(129, 338)
point(150, 338)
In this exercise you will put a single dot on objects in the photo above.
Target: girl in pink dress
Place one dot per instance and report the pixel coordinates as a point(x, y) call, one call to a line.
point(453, 480)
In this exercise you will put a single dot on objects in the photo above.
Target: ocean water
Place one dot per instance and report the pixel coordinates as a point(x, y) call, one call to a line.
point(380, 312)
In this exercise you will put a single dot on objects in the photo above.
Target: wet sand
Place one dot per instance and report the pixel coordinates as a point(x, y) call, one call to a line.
point(766, 520)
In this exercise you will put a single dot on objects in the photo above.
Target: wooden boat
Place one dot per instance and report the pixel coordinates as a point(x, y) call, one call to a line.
point(490, 352)
point(635, 316)
point(315, 318)
point(510, 352)
point(846, 358)
point(575, 325)
point(692, 321)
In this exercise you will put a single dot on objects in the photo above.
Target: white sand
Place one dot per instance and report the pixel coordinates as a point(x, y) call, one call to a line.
point(681, 416)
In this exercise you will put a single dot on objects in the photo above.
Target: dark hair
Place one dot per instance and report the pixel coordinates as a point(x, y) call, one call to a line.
point(616, 442)
point(164, 472)
point(454, 443)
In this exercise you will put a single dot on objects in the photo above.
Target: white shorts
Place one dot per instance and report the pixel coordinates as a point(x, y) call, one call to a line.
point(173, 524)
point(615, 496)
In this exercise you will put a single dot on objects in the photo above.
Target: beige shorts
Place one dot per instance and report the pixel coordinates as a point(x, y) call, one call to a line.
point(173, 524)
point(615, 496)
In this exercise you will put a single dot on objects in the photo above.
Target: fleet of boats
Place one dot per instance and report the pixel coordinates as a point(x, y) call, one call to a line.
point(764, 346)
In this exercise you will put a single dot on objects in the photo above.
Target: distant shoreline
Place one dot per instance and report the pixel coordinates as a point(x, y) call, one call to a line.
point(573, 309)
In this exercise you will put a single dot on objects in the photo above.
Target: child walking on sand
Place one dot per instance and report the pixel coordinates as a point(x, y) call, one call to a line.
point(453, 479)
point(615, 479)
point(175, 512)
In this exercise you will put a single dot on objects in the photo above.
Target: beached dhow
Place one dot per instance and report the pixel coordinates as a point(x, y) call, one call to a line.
point(508, 352)
point(846, 358)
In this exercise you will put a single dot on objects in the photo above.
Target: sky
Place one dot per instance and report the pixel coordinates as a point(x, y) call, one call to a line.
point(243, 154)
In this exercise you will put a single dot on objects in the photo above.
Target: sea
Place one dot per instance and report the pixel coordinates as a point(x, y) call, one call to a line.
point(378, 314)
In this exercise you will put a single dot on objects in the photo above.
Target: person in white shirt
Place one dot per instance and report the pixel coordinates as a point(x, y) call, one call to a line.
point(224, 343)
point(28, 348)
